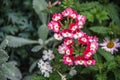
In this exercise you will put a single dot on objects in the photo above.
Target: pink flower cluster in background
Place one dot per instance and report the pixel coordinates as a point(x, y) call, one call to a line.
point(77, 46)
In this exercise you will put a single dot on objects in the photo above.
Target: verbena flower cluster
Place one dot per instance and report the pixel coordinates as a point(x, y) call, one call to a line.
point(77, 47)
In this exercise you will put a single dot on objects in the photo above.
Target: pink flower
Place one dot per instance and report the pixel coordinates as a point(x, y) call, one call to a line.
point(78, 34)
point(81, 18)
point(69, 51)
point(87, 54)
point(67, 33)
point(50, 25)
point(68, 60)
point(73, 27)
point(67, 12)
point(79, 60)
point(93, 46)
point(83, 39)
point(56, 26)
point(57, 17)
point(93, 39)
point(80, 24)
point(58, 36)
point(89, 62)
point(73, 14)
point(61, 49)
point(68, 41)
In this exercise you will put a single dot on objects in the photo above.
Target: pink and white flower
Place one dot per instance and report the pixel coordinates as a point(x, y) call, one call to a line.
point(74, 14)
point(69, 51)
point(61, 49)
point(50, 25)
point(56, 26)
point(83, 39)
point(73, 27)
point(81, 18)
point(68, 41)
point(78, 34)
point(110, 45)
point(67, 12)
point(89, 63)
point(58, 36)
point(57, 17)
point(68, 60)
point(66, 33)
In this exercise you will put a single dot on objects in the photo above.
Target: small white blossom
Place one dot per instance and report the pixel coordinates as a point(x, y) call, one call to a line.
point(45, 68)
point(48, 55)
point(58, 36)
point(72, 72)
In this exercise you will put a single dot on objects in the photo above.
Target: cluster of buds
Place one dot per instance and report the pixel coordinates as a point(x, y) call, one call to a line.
point(77, 46)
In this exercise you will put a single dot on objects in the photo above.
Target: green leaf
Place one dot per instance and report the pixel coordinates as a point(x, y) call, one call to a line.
point(39, 6)
point(38, 78)
point(108, 56)
point(18, 42)
point(89, 16)
point(89, 69)
point(43, 31)
point(111, 65)
point(2, 76)
point(102, 76)
point(36, 48)
point(9, 29)
point(113, 12)
point(3, 44)
point(100, 29)
point(11, 71)
point(33, 65)
point(116, 73)
point(3, 56)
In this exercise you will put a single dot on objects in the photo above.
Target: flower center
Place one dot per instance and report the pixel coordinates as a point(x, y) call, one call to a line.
point(110, 44)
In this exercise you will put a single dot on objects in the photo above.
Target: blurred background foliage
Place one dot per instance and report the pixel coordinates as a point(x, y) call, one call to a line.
point(24, 35)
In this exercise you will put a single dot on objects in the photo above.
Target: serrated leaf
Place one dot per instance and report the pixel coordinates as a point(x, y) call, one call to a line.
point(18, 42)
point(39, 6)
point(3, 56)
point(108, 56)
point(43, 31)
point(36, 48)
point(9, 29)
point(11, 71)
point(99, 29)
point(113, 12)
point(111, 65)
point(116, 74)
point(3, 44)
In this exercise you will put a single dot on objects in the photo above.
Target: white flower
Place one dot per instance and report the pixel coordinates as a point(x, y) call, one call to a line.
point(45, 68)
point(58, 36)
point(72, 72)
point(110, 45)
point(48, 55)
